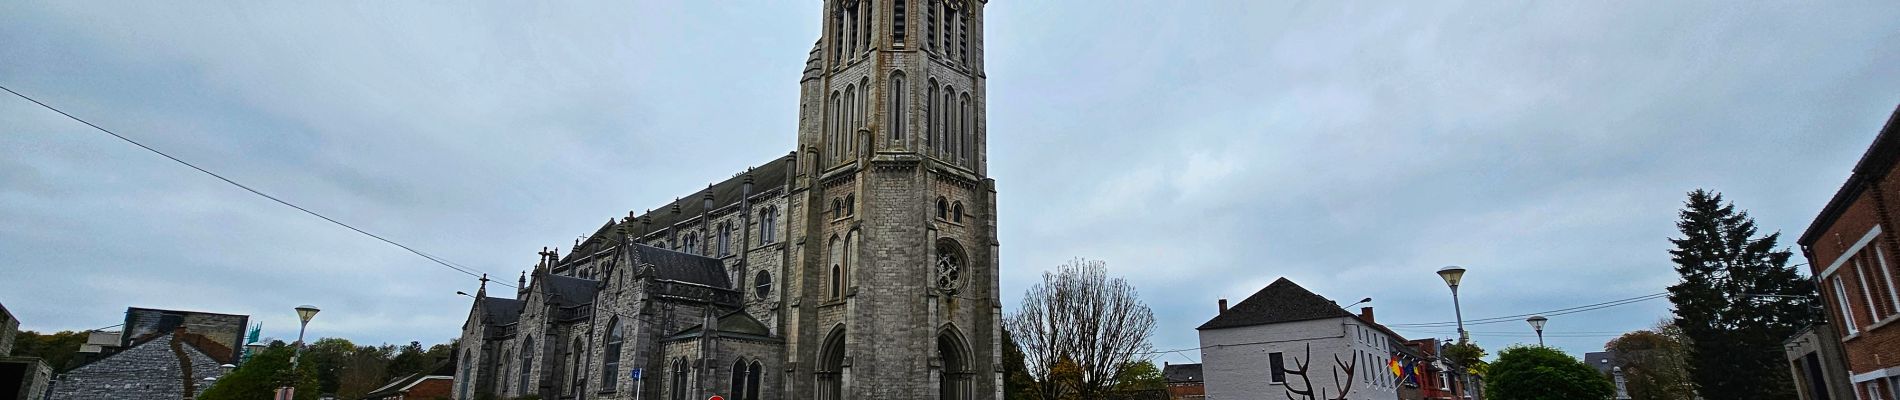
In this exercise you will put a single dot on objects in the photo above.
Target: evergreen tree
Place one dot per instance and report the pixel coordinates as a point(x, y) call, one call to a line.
point(1734, 336)
point(1016, 379)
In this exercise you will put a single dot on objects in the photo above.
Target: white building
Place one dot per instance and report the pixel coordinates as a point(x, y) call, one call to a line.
point(1286, 342)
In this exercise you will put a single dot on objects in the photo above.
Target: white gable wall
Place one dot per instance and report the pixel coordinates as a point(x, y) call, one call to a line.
point(1235, 360)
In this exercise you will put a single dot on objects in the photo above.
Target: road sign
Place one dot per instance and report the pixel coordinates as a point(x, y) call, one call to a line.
point(635, 374)
point(715, 397)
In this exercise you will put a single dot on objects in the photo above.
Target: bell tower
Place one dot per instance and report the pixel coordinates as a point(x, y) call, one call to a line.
point(895, 259)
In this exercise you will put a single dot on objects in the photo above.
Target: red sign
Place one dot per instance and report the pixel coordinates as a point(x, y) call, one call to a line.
point(715, 397)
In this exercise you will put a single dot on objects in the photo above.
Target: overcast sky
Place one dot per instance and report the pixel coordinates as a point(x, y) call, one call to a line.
point(1202, 151)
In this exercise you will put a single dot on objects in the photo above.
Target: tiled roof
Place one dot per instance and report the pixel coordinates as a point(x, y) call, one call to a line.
point(1182, 373)
point(1282, 301)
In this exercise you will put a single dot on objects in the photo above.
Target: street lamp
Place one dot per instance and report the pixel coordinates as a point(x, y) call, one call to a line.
point(1453, 275)
point(1361, 301)
point(304, 313)
point(1537, 322)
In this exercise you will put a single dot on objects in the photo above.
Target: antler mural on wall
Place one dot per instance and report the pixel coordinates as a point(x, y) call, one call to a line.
point(1301, 370)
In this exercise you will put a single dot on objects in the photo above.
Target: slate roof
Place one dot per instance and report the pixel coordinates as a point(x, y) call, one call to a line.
point(501, 311)
point(1600, 360)
point(1282, 301)
point(1182, 373)
point(682, 267)
point(765, 177)
point(567, 291)
point(733, 324)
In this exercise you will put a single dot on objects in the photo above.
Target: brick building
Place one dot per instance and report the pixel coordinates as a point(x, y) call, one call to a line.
point(1185, 381)
point(436, 383)
point(1852, 257)
point(863, 265)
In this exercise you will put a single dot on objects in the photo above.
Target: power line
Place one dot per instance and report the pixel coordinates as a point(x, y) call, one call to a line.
point(1560, 311)
point(437, 260)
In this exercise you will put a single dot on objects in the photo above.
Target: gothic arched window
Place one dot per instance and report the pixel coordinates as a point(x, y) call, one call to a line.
point(837, 281)
point(956, 213)
point(610, 357)
point(851, 204)
point(738, 379)
point(943, 208)
point(967, 136)
point(833, 125)
point(574, 368)
point(949, 121)
point(850, 122)
point(897, 98)
point(768, 225)
point(679, 380)
point(753, 380)
point(527, 365)
point(930, 115)
point(725, 238)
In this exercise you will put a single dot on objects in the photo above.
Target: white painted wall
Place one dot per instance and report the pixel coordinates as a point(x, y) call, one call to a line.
point(1235, 360)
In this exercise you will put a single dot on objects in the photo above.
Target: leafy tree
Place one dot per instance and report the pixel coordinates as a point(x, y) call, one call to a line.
point(1079, 329)
point(57, 349)
point(365, 369)
point(1140, 375)
point(1655, 363)
point(327, 355)
point(1469, 355)
point(1543, 373)
point(411, 359)
point(1734, 336)
point(260, 377)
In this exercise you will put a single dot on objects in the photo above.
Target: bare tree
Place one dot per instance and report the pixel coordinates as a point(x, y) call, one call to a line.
point(1078, 329)
point(1300, 369)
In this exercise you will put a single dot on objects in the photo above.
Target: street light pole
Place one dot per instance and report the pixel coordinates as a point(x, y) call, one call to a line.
point(1537, 322)
point(304, 313)
point(1453, 275)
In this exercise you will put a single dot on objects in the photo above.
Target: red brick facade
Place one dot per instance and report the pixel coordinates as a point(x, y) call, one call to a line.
point(1853, 250)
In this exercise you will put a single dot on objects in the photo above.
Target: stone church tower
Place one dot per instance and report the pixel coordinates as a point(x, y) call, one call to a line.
point(898, 269)
point(862, 265)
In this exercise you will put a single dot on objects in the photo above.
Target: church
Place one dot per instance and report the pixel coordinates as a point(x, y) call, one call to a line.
point(861, 265)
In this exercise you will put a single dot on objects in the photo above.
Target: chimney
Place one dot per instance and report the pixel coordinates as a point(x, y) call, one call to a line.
point(1223, 306)
point(1365, 313)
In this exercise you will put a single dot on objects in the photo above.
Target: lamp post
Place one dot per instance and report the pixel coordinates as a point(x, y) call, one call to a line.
point(1537, 323)
point(304, 313)
point(1453, 275)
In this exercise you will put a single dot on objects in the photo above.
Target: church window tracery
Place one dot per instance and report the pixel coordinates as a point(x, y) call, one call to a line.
point(949, 267)
point(763, 284)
